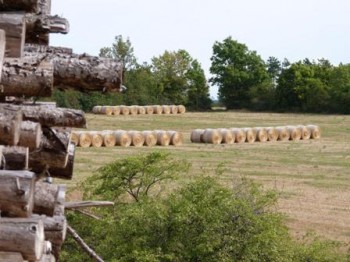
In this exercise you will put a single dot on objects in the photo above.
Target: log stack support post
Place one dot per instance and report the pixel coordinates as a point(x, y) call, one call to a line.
point(35, 141)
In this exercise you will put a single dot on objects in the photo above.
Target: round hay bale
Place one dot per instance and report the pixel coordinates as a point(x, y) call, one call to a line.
point(96, 109)
point(122, 138)
point(106, 110)
point(85, 139)
point(74, 138)
point(96, 138)
point(176, 138)
point(272, 134)
point(250, 135)
point(149, 110)
point(150, 138)
point(181, 109)
point(283, 134)
point(294, 133)
point(133, 110)
point(174, 109)
point(260, 134)
point(163, 139)
point(212, 136)
point(141, 110)
point(197, 136)
point(239, 134)
point(137, 138)
point(305, 132)
point(116, 110)
point(315, 131)
point(108, 138)
point(227, 136)
point(124, 110)
point(166, 110)
point(157, 110)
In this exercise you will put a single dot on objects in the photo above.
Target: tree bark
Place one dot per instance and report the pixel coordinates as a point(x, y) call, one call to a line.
point(15, 158)
point(84, 72)
point(67, 172)
point(11, 257)
point(30, 135)
point(39, 26)
point(2, 50)
point(34, 6)
point(50, 116)
point(27, 77)
point(47, 197)
point(10, 122)
point(17, 193)
point(14, 25)
point(36, 48)
point(25, 236)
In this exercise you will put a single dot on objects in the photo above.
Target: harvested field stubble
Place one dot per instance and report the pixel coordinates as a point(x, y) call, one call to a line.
point(311, 176)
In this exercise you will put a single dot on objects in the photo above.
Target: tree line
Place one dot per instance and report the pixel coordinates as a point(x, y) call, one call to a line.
point(243, 78)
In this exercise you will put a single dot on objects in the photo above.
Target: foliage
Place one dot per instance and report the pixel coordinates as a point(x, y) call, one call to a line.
point(180, 79)
point(200, 221)
point(236, 71)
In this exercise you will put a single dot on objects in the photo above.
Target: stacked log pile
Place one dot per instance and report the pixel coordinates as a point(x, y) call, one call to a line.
point(255, 134)
point(35, 138)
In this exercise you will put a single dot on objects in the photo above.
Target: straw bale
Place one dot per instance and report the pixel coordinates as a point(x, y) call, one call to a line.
point(305, 132)
point(166, 110)
point(133, 110)
point(315, 131)
point(74, 138)
point(181, 109)
point(250, 135)
point(227, 136)
point(197, 136)
point(141, 110)
point(149, 110)
point(212, 136)
point(260, 134)
point(116, 110)
point(96, 109)
point(163, 139)
point(109, 139)
point(283, 134)
point(85, 139)
point(272, 134)
point(96, 138)
point(294, 133)
point(122, 138)
point(239, 134)
point(150, 138)
point(106, 110)
point(176, 138)
point(157, 109)
point(124, 110)
point(137, 138)
point(174, 109)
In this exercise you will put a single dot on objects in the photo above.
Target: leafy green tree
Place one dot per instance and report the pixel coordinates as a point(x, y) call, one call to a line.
point(274, 68)
point(180, 79)
point(236, 70)
point(339, 85)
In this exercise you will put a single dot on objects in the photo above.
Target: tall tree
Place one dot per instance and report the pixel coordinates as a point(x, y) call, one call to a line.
point(236, 70)
point(180, 78)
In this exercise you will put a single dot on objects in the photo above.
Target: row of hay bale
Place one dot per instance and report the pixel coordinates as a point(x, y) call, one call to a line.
point(256, 134)
point(139, 110)
point(111, 138)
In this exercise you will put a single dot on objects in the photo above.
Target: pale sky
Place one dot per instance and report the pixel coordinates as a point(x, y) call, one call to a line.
point(292, 29)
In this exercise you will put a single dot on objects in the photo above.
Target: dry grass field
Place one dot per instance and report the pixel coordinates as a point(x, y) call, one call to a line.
point(312, 176)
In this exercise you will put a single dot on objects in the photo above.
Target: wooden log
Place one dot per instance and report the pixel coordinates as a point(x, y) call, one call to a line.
point(15, 158)
point(13, 23)
point(37, 48)
point(47, 197)
point(55, 228)
point(11, 257)
point(48, 257)
point(23, 235)
point(49, 116)
point(83, 204)
point(27, 77)
point(35, 6)
point(30, 135)
point(16, 193)
point(2, 49)
point(83, 72)
point(67, 172)
point(10, 122)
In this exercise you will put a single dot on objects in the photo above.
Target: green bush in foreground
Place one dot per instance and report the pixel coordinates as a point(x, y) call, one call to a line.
point(201, 221)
